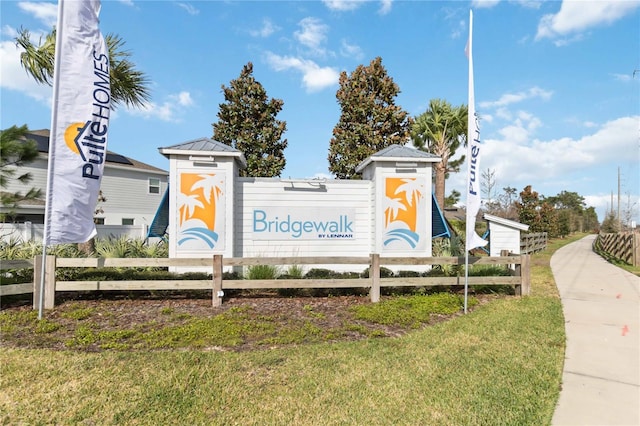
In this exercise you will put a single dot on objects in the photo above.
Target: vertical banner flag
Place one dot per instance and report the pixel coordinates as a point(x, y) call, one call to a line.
point(473, 156)
point(79, 123)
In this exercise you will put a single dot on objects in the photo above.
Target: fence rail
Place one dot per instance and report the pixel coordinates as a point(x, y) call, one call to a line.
point(624, 246)
point(533, 242)
point(520, 274)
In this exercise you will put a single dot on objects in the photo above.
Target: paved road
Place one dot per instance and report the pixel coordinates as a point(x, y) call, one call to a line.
point(601, 305)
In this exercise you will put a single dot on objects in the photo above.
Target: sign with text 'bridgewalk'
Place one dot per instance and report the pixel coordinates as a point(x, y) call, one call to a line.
point(303, 223)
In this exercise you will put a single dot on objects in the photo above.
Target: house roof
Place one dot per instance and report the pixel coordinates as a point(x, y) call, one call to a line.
point(397, 152)
point(506, 222)
point(203, 146)
point(41, 137)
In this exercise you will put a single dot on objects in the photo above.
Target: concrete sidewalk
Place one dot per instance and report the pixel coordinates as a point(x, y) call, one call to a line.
point(601, 305)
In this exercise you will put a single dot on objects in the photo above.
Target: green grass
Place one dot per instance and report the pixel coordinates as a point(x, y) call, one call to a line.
point(501, 364)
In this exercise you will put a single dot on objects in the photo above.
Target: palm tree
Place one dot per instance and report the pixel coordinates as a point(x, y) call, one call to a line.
point(128, 85)
point(209, 184)
point(188, 203)
point(440, 131)
point(413, 189)
point(391, 208)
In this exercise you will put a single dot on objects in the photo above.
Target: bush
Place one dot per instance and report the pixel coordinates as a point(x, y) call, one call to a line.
point(319, 273)
point(384, 273)
point(262, 272)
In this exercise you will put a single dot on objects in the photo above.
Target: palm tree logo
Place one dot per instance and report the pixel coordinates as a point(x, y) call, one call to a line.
point(401, 213)
point(200, 207)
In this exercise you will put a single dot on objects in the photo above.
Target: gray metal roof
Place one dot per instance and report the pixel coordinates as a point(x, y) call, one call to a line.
point(201, 144)
point(204, 145)
point(400, 151)
point(397, 152)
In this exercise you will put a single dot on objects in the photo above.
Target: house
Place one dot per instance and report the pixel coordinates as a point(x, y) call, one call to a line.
point(132, 189)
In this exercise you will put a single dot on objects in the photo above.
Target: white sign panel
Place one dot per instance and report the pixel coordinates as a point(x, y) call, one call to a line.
point(303, 223)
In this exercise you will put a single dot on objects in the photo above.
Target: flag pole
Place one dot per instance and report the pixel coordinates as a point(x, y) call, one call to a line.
point(472, 240)
point(471, 111)
point(50, 149)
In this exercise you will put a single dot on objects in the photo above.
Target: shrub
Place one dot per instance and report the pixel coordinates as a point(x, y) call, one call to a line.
point(384, 273)
point(319, 273)
point(262, 272)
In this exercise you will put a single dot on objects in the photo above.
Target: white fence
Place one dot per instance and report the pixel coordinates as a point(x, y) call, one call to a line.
point(24, 232)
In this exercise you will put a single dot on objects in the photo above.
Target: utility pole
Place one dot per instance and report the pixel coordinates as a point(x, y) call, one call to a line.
point(619, 224)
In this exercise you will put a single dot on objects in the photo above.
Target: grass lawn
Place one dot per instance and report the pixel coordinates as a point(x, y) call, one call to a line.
point(500, 364)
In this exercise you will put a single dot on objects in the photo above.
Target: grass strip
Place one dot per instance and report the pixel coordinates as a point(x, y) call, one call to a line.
point(500, 364)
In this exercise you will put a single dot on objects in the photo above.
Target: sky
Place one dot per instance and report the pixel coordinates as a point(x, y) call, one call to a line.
point(557, 83)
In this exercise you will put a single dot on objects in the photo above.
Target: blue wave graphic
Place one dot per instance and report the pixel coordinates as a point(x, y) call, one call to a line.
point(203, 234)
point(406, 235)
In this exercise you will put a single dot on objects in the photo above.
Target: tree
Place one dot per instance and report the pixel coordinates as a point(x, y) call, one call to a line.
point(441, 130)
point(369, 121)
point(128, 85)
point(528, 206)
point(488, 184)
point(452, 199)
point(247, 122)
point(539, 215)
point(610, 223)
point(15, 151)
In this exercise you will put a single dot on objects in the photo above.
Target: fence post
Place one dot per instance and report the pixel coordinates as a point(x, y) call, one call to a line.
point(37, 273)
point(374, 274)
point(636, 249)
point(49, 282)
point(216, 297)
point(525, 275)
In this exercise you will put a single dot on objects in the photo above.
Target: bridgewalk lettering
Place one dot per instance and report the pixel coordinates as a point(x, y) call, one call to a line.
point(292, 224)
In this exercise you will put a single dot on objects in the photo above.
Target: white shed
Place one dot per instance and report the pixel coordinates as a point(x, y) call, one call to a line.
point(504, 234)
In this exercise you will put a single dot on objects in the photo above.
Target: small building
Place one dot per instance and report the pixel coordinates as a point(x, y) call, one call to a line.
point(504, 234)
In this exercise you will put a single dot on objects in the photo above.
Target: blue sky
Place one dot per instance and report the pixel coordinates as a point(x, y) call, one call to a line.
point(554, 81)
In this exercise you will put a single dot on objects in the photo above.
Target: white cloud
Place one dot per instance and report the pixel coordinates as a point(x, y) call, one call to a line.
point(127, 2)
point(170, 110)
point(9, 31)
point(624, 77)
point(529, 4)
point(268, 28)
point(579, 16)
point(459, 31)
point(511, 98)
point(522, 159)
point(385, 7)
point(183, 98)
point(312, 35)
point(14, 77)
point(342, 5)
point(486, 4)
point(191, 10)
point(47, 13)
point(314, 77)
point(351, 50)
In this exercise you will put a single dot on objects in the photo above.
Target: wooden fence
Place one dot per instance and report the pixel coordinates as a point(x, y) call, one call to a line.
point(519, 278)
point(624, 246)
point(533, 242)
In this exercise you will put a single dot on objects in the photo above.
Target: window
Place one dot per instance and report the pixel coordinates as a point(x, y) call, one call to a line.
point(126, 221)
point(154, 186)
point(98, 220)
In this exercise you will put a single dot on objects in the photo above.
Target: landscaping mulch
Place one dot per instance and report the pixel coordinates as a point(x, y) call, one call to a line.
point(111, 311)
